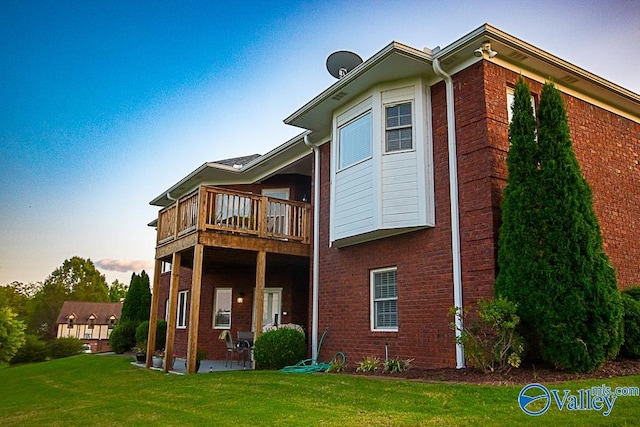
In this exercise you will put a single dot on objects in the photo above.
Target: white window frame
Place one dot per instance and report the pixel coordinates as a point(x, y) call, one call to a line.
point(388, 129)
point(374, 300)
point(341, 165)
point(216, 308)
point(181, 312)
point(511, 94)
point(165, 267)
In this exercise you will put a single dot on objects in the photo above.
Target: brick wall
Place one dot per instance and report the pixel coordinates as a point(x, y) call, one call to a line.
point(607, 147)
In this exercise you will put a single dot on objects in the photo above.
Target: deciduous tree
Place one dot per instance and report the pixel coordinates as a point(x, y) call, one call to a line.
point(11, 334)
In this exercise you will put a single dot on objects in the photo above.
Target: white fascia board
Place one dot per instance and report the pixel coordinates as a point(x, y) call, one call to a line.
point(359, 79)
point(533, 62)
point(257, 169)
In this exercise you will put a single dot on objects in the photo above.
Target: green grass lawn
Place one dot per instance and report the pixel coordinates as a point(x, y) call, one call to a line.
point(107, 390)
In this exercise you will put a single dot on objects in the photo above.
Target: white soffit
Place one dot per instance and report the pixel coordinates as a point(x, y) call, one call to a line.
point(395, 61)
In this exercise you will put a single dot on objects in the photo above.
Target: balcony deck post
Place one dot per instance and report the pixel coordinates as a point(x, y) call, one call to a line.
point(153, 314)
point(173, 309)
point(194, 317)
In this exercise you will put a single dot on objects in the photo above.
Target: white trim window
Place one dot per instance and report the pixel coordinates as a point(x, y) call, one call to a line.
point(222, 308)
point(181, 322)
point(398, 127)
point(355, 139)
point(511, 94)
point(384, 300)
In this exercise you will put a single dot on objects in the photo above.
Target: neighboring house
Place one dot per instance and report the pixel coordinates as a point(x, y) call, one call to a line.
point(91, 322)
point(403, 161)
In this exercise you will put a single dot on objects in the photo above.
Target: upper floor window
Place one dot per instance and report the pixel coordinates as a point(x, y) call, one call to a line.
point(398, 127)
point(355, 141)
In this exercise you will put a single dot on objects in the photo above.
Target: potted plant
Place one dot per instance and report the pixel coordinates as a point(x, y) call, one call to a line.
point(201, 354)
point(141, 352)
point(158, 357)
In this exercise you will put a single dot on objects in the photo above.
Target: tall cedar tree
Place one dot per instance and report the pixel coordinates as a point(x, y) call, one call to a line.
point(582, 325)
point(137, 303)
point(567, 290)
point(518, 243)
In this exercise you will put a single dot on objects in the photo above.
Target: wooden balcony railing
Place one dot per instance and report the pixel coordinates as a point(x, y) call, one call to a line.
point(228, 211)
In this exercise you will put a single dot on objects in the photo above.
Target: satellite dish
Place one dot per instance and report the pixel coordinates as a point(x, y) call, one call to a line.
point(341, 62)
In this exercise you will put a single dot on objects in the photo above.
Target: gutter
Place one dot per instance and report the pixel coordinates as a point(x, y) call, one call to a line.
point(316, 247)
point(455, 215)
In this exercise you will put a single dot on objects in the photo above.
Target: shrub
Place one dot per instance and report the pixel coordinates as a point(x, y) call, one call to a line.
point(368, 364)
point(490, 340)
point(123, 336)
point(65, 347)
point(142, 333)
point(633, 292)
point(395, 364)
point(631, 319)
point(278, 348)
point(33, 350)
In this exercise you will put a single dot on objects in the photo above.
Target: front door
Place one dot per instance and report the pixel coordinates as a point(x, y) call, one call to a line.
point(271, 315)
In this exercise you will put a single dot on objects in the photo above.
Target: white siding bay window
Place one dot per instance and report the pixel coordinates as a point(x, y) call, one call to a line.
point(382, 172)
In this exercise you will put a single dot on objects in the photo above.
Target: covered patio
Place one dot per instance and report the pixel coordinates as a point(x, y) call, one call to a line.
point(206, 366)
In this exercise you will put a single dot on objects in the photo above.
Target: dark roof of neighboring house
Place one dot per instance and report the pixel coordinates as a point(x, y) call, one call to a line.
point(240, 161)
point(82, 310)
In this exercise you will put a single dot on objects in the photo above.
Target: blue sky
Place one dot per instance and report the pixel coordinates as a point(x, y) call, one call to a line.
point(105, 104)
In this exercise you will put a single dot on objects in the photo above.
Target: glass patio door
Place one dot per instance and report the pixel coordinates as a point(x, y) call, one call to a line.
point(272, 305)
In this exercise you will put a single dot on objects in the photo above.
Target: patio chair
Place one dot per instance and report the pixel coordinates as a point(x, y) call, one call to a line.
point(233, 348)
point(245, 339)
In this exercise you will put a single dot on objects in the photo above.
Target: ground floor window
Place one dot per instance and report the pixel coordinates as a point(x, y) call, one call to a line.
point(384, 300)
point(222, 309)
point(182, 309)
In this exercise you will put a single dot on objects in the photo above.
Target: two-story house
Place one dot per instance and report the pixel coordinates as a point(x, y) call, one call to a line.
point(385, 211)
point(91, 322)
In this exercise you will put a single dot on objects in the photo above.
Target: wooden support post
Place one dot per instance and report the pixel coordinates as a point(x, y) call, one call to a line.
point(261, 262)
point(153, 315)
point(194, 315)
point(173, 310)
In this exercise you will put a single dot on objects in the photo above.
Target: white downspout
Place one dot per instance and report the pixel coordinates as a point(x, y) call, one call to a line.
point(316, 248)
point(455, 216)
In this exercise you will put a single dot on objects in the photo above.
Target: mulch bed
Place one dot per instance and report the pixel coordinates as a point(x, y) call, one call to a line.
point(526, 374)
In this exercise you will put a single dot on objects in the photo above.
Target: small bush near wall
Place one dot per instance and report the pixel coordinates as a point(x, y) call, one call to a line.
point(278, 348)
point(33, 350)
point(123, 336)
point(490, 339)
point(65, 347)
point(631, 320)
point(142, 333)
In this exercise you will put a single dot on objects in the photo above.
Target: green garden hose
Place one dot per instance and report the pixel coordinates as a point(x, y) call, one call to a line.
point(310, 365)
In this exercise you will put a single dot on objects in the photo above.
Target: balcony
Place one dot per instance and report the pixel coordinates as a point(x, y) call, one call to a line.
point(220, 217)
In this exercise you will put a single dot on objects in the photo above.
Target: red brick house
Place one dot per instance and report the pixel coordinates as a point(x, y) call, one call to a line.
point(403, 161)
point(91, 322)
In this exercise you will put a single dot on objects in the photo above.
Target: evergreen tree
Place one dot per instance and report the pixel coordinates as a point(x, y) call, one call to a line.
point(137, 304)
point(582, 322)
point(518, 242)
point(551, 258)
